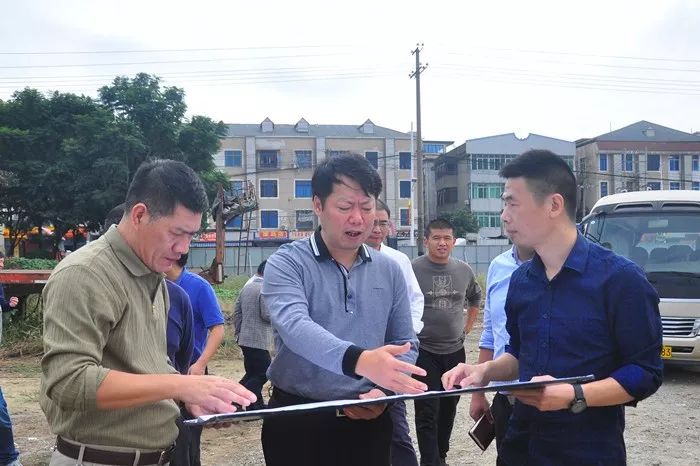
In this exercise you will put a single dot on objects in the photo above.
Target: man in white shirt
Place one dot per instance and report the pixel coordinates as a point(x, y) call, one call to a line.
point(402, 451)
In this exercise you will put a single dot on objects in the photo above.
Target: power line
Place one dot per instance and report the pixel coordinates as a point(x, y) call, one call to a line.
point(214, 49)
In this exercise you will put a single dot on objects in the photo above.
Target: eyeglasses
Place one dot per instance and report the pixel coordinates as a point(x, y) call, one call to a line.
point(381, 223)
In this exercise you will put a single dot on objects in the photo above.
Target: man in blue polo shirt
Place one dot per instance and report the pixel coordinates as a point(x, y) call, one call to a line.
point(208, 329)
point(343, 328)
point(576, 308)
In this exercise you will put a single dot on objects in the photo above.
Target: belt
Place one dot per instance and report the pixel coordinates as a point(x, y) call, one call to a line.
point(95, 455)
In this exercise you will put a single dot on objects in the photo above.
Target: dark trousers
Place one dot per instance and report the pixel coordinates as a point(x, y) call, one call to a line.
point(255, 362)
point(501, 410)
point(8, 453)
point(402, 452)
point(187, 445)
point(435, 416)
point(323, 438)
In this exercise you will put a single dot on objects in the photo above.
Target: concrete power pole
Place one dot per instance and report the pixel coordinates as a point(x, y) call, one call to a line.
point(420, 196)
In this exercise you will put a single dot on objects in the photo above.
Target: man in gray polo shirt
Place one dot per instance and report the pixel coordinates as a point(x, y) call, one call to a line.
point(343, 328)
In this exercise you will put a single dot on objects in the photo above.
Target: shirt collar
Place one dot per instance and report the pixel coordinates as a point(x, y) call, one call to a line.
point(125, 254)
point(321, 253)
point(576, 260)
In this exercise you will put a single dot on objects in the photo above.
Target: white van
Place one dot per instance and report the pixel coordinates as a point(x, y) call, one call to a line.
point(660, 232)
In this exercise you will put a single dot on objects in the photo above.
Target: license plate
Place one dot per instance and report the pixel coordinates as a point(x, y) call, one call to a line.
point(666, 352)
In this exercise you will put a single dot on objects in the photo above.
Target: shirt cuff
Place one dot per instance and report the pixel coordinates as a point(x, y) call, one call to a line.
point(636, 381)
point(352, 354)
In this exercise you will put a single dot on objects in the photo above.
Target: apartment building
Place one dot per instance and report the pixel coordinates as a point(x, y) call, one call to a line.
point(279, 160)
point(641, 156)
point(467, 176)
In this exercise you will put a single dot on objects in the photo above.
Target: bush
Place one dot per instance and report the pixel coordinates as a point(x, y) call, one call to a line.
point(25, 263)
point(22, 336)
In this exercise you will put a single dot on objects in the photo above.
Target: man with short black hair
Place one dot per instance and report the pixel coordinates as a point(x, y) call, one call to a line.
point(576, 308)
point(343, 328)
point(452, 300)
point(107, 389)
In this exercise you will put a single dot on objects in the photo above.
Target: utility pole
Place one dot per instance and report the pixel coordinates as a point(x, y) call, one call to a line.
point(420, 198)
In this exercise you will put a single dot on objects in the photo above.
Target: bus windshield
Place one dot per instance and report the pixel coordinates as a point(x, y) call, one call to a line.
point(666, 245)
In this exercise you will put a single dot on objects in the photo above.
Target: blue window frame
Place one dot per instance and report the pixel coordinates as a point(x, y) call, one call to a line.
point(268, 159)
point(628, 162)
point(603, 188)
point(653, 162)
point(236, 223)
point(603, 162)
point(404, 218)
point(303, 158)
point(696, 186)
point(373, 158)
point(696, 163)
point(674, 185)
point(233, 158)
point(404, 160)
point(236, 187)
point(302, 188)
point(654, 186)
point(405, 189)
point(268, 188)
point(674, 163)
point(269, 219)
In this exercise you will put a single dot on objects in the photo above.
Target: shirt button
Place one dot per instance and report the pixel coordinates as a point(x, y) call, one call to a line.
point(545, 315)
point(350, 296)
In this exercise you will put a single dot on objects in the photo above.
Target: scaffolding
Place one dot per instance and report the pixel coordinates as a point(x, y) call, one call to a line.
point(227, 206)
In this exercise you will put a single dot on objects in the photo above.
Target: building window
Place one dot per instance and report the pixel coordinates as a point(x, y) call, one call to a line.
point(373, 158)
point(404, 160)
point(603, 162)
point(405, 189)
point(236, 187)
point(445, 169)
point(490, 162)
point(236, 223)
point(603, 188)
point(696, 163)
point(653, 186)
point(674, 163)
point(486, 190)
point(696, 186)
point(336, 153)
point(269, 219)
point(569, 159)
point(433, 148)
point(268, 159)
point(268, 188)
point(302, 158)
point(404, 217)
point(446, 196)
point(488, 219)
point(628, 162)
point(305, 219)
point(302, 188)
point(675, 185)
point(653, 162)
point(233, 158)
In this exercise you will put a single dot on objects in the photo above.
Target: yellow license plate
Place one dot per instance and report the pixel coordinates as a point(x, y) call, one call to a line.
point(666, 352)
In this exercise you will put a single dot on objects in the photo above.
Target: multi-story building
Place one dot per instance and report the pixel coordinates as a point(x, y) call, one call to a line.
point(278, 159)
point(468, 175)
point(641, 156)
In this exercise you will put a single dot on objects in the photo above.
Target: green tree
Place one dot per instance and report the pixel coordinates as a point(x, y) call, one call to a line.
point(464, 222)
point(159, 114)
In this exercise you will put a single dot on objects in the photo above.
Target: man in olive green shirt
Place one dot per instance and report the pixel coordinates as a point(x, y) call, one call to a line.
point(107, 389)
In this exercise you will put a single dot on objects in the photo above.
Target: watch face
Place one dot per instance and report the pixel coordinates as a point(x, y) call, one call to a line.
point(578, 406)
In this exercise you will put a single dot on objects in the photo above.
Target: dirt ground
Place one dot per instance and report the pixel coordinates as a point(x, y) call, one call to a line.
point(662, 430)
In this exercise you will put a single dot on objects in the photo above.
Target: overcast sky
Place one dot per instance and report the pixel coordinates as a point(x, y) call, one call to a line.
point(561, 69)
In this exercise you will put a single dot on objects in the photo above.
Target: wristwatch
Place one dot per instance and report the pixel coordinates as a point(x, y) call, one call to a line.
point(578, 405)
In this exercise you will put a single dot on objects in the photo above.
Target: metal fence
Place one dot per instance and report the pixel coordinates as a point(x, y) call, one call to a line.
point(478, 257)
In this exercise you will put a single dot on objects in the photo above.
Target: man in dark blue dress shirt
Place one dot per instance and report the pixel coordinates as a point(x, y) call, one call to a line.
point(575, 309)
